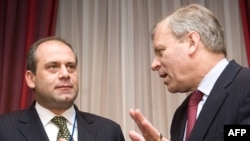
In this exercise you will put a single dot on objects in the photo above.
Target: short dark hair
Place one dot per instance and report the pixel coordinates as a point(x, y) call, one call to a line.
point(31, 60)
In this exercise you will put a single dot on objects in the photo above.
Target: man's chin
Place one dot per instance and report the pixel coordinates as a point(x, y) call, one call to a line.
point(172, 90)
point(64, 104)
point(67, 99)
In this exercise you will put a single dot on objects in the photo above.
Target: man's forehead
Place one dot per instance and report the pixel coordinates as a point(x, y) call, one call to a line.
point(51, 43)
point(162, 28)
point(51, 48)
point(162, 33)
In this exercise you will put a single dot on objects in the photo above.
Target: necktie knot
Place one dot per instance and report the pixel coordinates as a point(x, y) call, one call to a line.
point(60, 121)
point(195, 98)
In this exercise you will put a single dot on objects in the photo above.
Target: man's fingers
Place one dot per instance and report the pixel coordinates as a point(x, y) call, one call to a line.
point(139, 119)
point(134, 136)
point(146, 128)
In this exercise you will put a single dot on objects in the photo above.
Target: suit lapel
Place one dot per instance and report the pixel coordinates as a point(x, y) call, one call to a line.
point(32, 129)
point(31, 126)
point(85, 130)
point(179, 121)
point(214, 102)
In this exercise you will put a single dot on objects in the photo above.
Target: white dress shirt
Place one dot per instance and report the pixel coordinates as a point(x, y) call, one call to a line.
point(50, 128)
point(207, 83)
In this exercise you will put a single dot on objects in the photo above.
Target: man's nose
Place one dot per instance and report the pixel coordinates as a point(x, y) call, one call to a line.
point(156, 65)
point(64, 71)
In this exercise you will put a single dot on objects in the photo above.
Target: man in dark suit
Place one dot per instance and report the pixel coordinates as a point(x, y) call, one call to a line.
point(190, 56)
point(52, 75)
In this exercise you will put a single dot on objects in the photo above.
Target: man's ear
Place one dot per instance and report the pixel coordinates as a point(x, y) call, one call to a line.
point(193, 39)
point(30, 79)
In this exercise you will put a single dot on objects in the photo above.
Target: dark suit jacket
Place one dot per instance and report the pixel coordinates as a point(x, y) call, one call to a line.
point(25, 125)
point(228, 103)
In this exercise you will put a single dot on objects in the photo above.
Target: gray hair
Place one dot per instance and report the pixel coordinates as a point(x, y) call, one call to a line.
point(31, 60)
point(197, 18)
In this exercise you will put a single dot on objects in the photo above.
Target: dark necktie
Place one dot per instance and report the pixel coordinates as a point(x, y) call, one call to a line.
point(192, 110)
point(63, 132)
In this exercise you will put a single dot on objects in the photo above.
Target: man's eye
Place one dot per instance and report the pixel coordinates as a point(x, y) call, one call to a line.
point(71, 67)
point(52, 66)
point(158, 52)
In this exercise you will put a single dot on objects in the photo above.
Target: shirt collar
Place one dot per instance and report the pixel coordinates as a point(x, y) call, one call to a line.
point(46, 115)
point(209, 80)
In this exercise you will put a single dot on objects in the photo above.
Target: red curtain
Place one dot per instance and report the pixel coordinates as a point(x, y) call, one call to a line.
point(245, 15)
point(21, 23)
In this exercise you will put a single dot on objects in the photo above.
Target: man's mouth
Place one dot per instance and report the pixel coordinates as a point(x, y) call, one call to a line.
point(64, 86)
point(163, 75)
